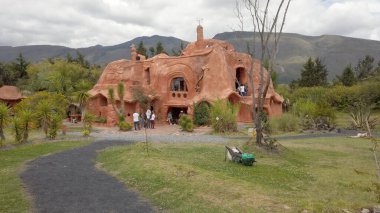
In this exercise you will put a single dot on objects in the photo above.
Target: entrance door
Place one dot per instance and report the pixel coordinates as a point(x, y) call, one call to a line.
point(176, 111)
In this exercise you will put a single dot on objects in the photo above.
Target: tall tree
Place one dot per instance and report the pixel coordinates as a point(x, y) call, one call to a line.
point(268, 20)
point(20, 65)
point(313, 73)
point(152, 51)
point(141, 49)
point(159, 48)
point(365, 67)
point(348, 76)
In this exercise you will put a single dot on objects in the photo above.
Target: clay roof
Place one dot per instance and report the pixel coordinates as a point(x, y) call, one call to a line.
point(10, 93)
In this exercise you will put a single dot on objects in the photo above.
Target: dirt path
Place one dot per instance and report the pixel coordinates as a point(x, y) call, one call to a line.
point(69, 182)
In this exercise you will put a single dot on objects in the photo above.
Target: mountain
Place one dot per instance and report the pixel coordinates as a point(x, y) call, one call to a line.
point(294, 49)
point(96, 54)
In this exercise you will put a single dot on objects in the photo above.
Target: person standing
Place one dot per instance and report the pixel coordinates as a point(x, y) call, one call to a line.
point(136, 120)
point(148, 114)
point(170, 118)
point(152, 117)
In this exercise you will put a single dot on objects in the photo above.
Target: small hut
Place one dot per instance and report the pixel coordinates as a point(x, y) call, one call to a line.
point(10, 95)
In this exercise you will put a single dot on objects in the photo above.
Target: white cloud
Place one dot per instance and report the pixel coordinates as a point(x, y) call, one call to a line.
point(81, 23)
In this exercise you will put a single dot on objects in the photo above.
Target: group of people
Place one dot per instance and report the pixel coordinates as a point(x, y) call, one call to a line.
point(147, 122)
point(170, 118)
point(243, 89)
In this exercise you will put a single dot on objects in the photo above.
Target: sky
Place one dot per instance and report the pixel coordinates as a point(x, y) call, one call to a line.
point(84, 23)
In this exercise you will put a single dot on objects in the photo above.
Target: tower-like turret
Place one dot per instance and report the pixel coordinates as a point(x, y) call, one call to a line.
point(199, 33)
point(133, 52)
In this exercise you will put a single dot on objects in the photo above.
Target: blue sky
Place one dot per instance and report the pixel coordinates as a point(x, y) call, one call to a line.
point(82, 23)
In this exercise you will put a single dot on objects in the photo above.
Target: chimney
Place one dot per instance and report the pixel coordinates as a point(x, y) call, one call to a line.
point(199, 33)
point(133, 52)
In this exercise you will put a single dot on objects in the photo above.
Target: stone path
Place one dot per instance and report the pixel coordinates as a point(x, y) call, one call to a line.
point(69, 182)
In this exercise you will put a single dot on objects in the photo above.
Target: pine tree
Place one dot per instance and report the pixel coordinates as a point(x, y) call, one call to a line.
point(365, 68)
point(141, 49)
point(159, 48)
point(348, 77)
point(313, 73)
point(152, 51)
point(20, 65)
point(321, 72)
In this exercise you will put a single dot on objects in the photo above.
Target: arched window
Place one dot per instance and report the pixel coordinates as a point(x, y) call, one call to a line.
point(178, 84)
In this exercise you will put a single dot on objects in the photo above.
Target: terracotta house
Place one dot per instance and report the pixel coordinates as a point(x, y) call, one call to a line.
point(206, 70)
point(10, 95)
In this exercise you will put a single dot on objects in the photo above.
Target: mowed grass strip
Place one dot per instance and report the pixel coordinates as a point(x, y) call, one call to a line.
point(319, 175)
point(12, 196)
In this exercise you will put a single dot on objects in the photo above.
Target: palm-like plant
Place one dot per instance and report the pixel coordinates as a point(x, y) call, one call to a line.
point(82, 98)
point(120, 92)
point(26, 120)
point(44, 114)
point(4, 116)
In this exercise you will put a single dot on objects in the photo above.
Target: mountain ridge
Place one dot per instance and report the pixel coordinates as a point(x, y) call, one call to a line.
point(294, 49)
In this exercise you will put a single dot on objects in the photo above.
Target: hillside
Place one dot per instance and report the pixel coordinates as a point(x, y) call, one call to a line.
point(335, 51)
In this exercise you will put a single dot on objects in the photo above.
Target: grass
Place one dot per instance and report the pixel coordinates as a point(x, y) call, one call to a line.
point(319, 175)
point(12, 196)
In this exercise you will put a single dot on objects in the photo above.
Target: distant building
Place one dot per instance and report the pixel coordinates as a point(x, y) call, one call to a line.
point(207, 70)
point(10, 95)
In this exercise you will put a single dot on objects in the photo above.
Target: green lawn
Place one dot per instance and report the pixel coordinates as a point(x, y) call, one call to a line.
point(12, 196)
point(319, 175)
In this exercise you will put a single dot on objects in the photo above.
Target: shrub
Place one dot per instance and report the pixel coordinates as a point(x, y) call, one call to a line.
point(286, 123)
point(88, 120)
point(86, 133)
point(223, 116)
point(125, 126)
point(319, 115)
point(186, 123)
point(101, 120)
point(55, 124)
point(201, 113)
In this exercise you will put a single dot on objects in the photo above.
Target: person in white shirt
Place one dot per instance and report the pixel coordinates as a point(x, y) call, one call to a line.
point(136, 121)
point(152, 117)
point(148, 114)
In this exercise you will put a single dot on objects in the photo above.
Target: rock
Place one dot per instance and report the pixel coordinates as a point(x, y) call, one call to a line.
point(286, 207)
point(346, 211)
point(365, 211)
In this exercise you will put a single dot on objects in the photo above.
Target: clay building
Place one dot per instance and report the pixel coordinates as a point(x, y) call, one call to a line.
point(206, 70)
point(10, 95)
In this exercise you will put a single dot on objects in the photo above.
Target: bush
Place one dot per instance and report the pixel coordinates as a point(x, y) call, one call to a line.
point(86, 133)
point(223, 116)
point(101, 120)
point(286, 123)
point(319, 115)
point(186, 123)
point(125, 126)
point(201, 113)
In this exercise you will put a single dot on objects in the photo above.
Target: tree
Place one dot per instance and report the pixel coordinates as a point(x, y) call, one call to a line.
point(120, 92)
point(4, 116)
point(159, 48)
point(26, 120)
point(268, 27)
point(82, 98)
point(21, 65)
point(313, 73)
point(365, 68)
point(179, 52)
point(141, 49)
point(152, 51)
point(348, 76)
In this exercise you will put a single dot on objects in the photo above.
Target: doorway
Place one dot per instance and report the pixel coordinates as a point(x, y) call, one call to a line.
point(176, 111)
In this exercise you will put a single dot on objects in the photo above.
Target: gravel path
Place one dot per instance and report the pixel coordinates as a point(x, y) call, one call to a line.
point(69, 182)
